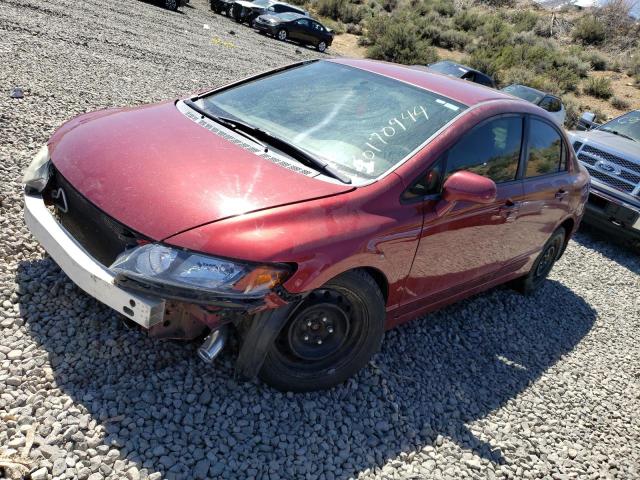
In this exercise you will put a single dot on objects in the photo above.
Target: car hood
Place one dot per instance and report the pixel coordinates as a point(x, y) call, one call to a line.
point(609, 141)
point(160, 173)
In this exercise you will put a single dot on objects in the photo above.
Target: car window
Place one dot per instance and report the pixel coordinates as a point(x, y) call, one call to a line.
point(626, 126)
point(491, 150)
point(303, 23)
point(550, 104)
point(271, 9)
point(362, 123)
point(545, 150)
point(317, 27)
point(483, 80)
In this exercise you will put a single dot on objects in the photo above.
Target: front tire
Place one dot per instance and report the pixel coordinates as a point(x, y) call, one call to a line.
point(543, 264)
point(322, 46)
point(281, 35)
point(330, 337)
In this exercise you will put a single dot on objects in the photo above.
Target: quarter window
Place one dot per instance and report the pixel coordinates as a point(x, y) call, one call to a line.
point(546, 152)
point(491, 150)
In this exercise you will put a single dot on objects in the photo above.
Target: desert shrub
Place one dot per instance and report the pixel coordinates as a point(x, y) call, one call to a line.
point(573, 111)
point(398, 41)
point(589, 31)
point(597, 61)
point(634, 64)
point(354, 28)
point(599, 87)
point(620, 103)
point(389, 5)
point(524, 20)
point(342, 10)
point(525, 76)
point(576, 65)
point(453, 39)
point(467, 20)
point(337, 26)
point(500, 3)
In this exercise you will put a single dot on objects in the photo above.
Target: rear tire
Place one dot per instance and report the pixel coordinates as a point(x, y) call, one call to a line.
point(322, 46)
point(330, 337)
point(543, 264)
point(282, 35)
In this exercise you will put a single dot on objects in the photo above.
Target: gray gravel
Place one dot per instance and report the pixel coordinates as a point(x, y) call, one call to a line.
point(499, 386)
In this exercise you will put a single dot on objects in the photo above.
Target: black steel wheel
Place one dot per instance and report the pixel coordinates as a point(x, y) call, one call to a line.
point(329, 337)
point(543, 264)
point(171, 4)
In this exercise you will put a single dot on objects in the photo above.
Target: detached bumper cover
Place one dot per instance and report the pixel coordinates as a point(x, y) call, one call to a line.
point(84, 270)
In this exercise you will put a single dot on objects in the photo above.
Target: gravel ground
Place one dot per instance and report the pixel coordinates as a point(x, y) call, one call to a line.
point(499, 386)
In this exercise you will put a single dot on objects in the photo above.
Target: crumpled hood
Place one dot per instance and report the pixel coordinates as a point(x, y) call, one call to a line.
point(608, 141)
point(160, 173)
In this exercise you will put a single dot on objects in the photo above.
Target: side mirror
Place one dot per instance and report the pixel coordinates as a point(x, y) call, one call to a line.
point(465, 186)
point(587, 121)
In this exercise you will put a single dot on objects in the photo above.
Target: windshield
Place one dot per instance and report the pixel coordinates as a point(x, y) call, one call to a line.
point(526, 93)
point(627, 125)
point(449, 68)
point(361, 123)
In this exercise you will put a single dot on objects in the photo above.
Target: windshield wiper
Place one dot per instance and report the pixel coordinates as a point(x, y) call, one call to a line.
point(224, 121)
point(615, 132)
point(256, 133)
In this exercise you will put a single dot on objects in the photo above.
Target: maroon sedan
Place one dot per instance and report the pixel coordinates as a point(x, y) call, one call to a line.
point(310, 208)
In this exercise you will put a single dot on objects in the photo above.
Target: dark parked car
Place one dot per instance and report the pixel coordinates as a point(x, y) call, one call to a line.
point(457, 70)
point(292, 26)
point(546, 101)
point(308, 209)
point(222, 6)
point(246, 12)
point(174, 4)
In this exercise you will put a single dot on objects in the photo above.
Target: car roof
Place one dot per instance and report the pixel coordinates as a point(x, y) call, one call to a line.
point(289, 16)
point(462, 91)
point(528, 88)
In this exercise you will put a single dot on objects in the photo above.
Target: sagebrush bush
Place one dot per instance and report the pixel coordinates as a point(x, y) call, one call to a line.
point(468, 20)
point(398, 42)
point(524, 20)
point(589, 31)
point(599, 87)
point(597, 61)
point(620, 103)
point(341, 10)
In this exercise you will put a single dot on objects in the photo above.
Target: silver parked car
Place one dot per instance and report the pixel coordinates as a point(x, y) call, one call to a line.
point(611, 154)
point(546, 101)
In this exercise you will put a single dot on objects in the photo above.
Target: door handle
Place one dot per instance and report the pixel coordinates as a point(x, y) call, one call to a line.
point(561, 194)
point(509, 211)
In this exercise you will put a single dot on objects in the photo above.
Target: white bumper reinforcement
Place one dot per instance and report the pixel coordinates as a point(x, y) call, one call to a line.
point(84, 270)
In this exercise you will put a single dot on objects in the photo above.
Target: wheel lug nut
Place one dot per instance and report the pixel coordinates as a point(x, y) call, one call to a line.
point(330, 330)
point(308, 324)
point(306, 338)
point(319, 342)
point(324, 319)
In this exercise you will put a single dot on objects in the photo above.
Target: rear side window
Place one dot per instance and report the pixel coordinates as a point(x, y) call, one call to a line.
point(551, 104)
point(491, 150)
point(546, 150)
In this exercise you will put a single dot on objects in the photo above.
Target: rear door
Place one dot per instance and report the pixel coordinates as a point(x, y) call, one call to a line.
point(473, 242)
point(301, 30)
point(547, 182)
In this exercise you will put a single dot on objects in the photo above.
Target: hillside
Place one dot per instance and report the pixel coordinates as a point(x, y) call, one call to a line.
point(590, 57)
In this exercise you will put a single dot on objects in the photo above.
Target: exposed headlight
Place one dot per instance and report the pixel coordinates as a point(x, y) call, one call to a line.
point(163, 265)
point(37, 173)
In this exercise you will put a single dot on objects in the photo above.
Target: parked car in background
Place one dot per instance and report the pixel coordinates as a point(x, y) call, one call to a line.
point(246, 12)
point(174, 4)
point(546, 101)
point(296, 27)
point(611, 154)
point(447, 67)
point(310, 208)
point(222, 6)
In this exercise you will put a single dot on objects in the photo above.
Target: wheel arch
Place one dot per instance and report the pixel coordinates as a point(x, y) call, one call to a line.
point(568, 224)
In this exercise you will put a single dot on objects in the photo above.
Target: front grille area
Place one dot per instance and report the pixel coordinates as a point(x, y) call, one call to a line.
point(100, 235)
point(627, 179)
point(611, 158)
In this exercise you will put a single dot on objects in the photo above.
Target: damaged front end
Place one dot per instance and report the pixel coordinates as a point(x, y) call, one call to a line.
point(171, 293)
